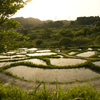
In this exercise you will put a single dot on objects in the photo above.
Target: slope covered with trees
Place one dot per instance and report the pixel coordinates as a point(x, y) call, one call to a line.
point(57, 34)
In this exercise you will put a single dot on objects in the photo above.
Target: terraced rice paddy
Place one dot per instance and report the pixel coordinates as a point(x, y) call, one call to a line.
point(86, 54)
point(51, 75)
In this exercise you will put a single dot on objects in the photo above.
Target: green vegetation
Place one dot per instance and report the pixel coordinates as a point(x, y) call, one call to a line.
point(65, 35)
point(87, 92)
point(60, 34)
point(8, 27)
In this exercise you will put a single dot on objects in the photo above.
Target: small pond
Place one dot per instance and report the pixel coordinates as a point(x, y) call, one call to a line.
point(41, 54)
point(66, 61)
point(97, 63)
point(50, 75)
point(86, 54)
point(36, 61)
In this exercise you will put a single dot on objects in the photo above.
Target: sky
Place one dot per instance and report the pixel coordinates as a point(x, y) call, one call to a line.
point(59, 9)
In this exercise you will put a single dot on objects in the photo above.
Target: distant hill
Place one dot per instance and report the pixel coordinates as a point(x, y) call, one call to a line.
point(30, 22)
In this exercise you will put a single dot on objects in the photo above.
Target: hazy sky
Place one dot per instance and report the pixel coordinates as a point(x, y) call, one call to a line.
point(60, 9)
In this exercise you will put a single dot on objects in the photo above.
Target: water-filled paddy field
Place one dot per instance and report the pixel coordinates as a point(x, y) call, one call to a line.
point(51, 75)
point(66, 61)
point(86, 54)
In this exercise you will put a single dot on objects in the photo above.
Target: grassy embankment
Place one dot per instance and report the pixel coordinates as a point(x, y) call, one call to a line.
point(87, 92)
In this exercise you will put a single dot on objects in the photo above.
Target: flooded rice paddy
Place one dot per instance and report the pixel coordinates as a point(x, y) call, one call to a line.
point(71, 53)
point(36, 61)
point(86, 54)
point(41, 51)
point(41, 54)
point(66, 62)
point(97, 63)
point(2, 64)
point(51, 75)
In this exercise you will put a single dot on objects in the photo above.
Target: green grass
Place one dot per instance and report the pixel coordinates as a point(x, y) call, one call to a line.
point(87, 92)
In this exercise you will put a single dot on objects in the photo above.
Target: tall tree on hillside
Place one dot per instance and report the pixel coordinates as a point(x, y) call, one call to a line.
point(65, 41)
point(66, 33)
point(47, 33)
point(7, 26)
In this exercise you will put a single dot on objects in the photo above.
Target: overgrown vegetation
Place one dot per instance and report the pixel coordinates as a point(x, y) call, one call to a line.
point(87, 92)
point(80, 34)
point(62, 34)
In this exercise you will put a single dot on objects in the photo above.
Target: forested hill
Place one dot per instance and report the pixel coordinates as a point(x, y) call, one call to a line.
point(30, 22)
point(88, 20)
point(36, 23)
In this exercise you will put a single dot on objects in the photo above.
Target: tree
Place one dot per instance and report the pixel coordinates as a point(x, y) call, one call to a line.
point(65, 41)
point(47, 33)
point(39, 42)
point(97, 40)
point(9, 8)
point(66, 33)
point(81, 41)
point(7, 26)
point(86, 31)
point(58, 24)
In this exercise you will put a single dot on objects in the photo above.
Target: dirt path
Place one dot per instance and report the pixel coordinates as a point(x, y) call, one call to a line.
point(30, 85)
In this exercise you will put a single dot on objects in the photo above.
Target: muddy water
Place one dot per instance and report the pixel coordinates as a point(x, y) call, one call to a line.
point(65, 62)
point(50, 75)
point(86, 54)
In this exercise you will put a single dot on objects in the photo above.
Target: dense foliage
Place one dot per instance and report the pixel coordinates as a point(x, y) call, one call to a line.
point(61, 34)
point(8, 26)
point(83, 32)
point(11, 92)
point(88, 20)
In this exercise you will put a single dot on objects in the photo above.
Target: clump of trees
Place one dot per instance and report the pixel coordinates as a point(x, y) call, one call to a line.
point(45, 34)
point(8, 26)
point(88, 20)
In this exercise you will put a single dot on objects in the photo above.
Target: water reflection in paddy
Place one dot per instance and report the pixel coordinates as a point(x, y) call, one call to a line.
point(65, 62)
point(86, 54)
point(50, 75)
